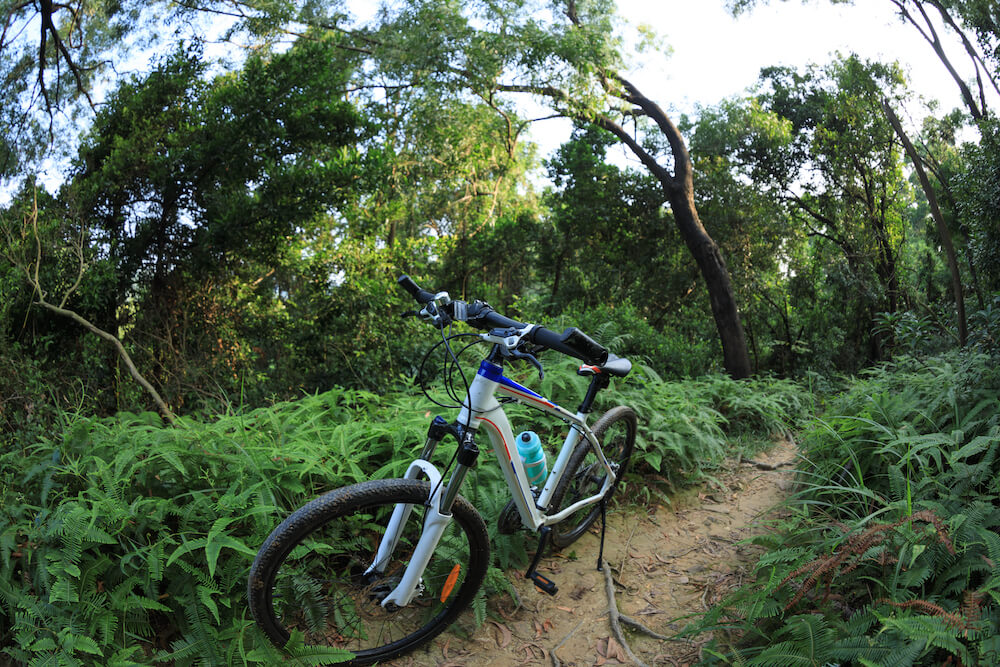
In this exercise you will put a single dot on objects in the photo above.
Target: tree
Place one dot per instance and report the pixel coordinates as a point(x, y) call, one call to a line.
point(569, 57)
point(23, 249)
point(486, 50)
point(945, 233)
point(980, 16)
point(737, 146)
point(977, 192)
point(818, 141)
point(56, 57)
point(610, 239)
point(190, 194)
point(51, 55)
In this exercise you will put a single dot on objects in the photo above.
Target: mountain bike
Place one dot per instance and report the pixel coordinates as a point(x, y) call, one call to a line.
point(380, 567)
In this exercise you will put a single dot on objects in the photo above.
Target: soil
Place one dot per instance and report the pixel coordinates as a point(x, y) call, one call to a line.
point(668, 563)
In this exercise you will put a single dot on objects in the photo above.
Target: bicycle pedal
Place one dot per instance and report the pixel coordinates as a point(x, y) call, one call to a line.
point(543, 583)
point(509, 521)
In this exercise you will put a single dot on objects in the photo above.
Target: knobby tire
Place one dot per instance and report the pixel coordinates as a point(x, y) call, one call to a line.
point(308, 575)
point(585, 475)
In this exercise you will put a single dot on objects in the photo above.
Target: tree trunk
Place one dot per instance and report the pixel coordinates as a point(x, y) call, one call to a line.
point(943, 231)
point(679, 189)
point(928, 32)
point(713, 270)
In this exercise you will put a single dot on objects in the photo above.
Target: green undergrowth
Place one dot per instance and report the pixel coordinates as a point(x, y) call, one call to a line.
point(124, 542)
point(889, 553)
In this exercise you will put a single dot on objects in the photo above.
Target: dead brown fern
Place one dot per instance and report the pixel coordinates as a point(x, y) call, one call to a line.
point(931, 609)
point(849, 555)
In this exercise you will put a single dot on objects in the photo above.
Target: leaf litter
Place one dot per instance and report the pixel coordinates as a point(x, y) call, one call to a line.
point(668, 565)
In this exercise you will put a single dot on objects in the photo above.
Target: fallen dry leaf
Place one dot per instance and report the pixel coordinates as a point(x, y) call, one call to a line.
point(505, 635)
point(542, 628)
point(609, 649)
point(530, 650)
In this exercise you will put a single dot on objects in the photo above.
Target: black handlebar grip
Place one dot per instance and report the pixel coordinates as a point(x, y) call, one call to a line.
point(586, 347)
point(495, 320)
point(422, 296)
point(554, 341)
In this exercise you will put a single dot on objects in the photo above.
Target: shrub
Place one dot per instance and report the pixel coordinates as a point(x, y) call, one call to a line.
point(888, 557)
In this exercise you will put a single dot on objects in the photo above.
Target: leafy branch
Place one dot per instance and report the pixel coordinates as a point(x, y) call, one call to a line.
point(31, 268)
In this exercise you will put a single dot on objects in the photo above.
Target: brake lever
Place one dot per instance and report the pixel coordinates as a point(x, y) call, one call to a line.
point(525, 356)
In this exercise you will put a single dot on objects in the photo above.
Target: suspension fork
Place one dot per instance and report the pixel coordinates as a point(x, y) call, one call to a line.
point(436, 518)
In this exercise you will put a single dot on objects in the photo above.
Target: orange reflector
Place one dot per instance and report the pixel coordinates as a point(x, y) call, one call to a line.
point(450, 582)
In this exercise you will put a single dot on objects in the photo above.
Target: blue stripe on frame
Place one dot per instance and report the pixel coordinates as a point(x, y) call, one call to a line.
point(495, 373)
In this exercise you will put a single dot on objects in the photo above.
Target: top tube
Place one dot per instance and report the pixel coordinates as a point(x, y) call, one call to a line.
point(493, 372)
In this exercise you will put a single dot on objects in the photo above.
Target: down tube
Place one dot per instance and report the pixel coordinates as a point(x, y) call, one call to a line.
point(498, 429)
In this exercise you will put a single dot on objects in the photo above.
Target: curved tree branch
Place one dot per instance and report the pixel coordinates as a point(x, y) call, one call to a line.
point(932, 38)
point(977, 59)
point(943, 231)
point(682, 160)
point(31, 272)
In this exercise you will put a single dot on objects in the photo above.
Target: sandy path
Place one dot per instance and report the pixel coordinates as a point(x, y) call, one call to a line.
point(668, 563)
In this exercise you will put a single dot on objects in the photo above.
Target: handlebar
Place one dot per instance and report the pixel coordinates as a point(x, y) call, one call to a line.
point(481, 315)
point(423, 297)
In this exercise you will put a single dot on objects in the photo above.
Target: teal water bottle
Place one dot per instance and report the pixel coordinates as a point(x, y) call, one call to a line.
point(533, 457)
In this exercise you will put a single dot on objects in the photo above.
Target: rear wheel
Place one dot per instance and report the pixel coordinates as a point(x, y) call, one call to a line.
point(310, 575)
point(585, 475)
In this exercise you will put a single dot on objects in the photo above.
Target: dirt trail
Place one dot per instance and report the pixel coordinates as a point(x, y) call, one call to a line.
point(668, 563)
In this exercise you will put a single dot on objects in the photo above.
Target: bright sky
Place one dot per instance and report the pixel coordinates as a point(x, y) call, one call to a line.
point(716, 56)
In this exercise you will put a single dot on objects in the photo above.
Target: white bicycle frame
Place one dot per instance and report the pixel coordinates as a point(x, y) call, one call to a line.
point(483, 408)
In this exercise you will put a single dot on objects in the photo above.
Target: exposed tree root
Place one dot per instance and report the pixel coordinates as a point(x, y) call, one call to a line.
point(616, 617)
point(552, 653)
point(760, 465)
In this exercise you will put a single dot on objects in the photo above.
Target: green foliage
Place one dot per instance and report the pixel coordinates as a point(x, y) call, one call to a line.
point(610, 237)
point(985, 326)
point(978, 189)
point(887, 557)
point(686, 428)
point(125, 541)
point(124, 533)
point(683, 350)
point(815, 235)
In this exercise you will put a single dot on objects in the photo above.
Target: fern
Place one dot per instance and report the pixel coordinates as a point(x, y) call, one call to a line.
point(915, 440)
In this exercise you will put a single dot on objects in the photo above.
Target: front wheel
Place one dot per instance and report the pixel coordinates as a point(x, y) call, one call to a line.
point(585, 475)
point(310, 577)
